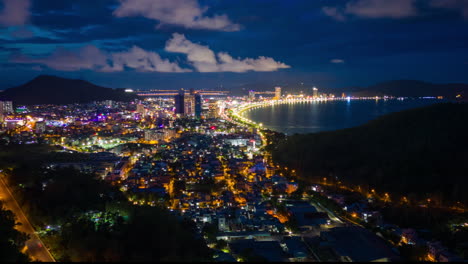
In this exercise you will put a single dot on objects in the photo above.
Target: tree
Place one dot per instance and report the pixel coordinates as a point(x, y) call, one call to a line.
point(11, 240)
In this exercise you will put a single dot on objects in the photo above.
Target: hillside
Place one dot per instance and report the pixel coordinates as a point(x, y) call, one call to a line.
point(420, 153)
point(410, 88)
point(47, 89)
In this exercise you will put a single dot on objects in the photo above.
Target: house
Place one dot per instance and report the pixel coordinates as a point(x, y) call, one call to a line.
point(306, 215)
point(269, 250)
point(354, 243)
point(296, 248)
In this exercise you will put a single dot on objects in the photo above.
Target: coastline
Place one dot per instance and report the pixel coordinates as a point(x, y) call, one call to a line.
point(307, 115)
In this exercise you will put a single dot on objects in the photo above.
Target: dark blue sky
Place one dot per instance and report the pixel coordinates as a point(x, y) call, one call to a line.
point(168, 44)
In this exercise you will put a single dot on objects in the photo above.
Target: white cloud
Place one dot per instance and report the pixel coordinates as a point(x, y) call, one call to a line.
point(374, 9)
point(142, 60)
point(92, 58)
point(338, 61)
point(204, 59)
point(15, 12)
point(461, 5)
point(186, 13)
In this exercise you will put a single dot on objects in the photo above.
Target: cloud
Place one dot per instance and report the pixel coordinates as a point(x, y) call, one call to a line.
point(334, 12)
point(88, 57)
point(203, 59)
point(461, 5)
point(374, 9)
point(15, 12)
point(142, 60)
point(22, 33)
point(186, 13)
point(92, 58)
point(382, 8)
point(338, 61)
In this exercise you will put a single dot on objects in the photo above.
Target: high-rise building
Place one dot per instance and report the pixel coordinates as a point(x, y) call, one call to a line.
point(315, 92)
point(179, 102)
point(109, 103)
point(159, 134)
point(213, 109)
point(140, 109)
point(251, 95)
point(198, 105)
point(277, 93)
point(6, 107)
point(153, 134)
point(222, 225)
point(189, 104)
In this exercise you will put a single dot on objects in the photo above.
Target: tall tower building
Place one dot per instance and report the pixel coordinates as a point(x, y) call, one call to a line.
point(277, 93)
point(315, 92)
point(189, 104)
point(212, 109)
point(251, 95)
point(198, 105)
point(180, 102)
point(140, 109)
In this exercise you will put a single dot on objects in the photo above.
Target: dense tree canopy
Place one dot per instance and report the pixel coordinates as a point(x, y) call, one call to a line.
point(421, 152)
point(11, 240)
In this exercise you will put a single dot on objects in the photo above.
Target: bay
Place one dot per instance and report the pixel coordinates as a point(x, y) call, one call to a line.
point(318, 116)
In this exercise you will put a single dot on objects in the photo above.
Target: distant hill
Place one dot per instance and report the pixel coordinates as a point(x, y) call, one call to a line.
point(46, 89)
point(409, 88)
point(419, 152)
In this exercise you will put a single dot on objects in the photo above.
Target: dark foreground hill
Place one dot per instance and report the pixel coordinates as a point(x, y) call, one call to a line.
point(410, 88)
point(47, 89)
point(420, 153)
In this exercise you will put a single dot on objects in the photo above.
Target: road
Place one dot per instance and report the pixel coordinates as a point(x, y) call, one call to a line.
point(35, 248)
point(331, 214)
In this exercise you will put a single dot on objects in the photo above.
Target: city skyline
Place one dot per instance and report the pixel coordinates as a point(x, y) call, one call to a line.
point(233, 130)
point(209, 44)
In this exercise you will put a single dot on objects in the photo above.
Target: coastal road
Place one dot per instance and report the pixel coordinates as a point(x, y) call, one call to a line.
point(331, 214)
point(34, 246)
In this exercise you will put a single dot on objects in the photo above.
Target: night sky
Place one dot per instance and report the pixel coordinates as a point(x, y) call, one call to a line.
point(169, 44)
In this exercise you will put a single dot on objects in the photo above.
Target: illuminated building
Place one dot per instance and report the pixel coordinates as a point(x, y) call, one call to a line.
point(6, 107)
point(222, 225)
point(189, 103)
point(153, 135)
point(40, 127)
point(212, 109)
point(315, 92)
point(251, 95)
point(109, 103)
point(277, 93)
point(140, 109)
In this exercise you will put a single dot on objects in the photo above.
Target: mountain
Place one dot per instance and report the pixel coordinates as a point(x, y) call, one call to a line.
point(419, 152)
point(409, 88)
point(46, 89)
